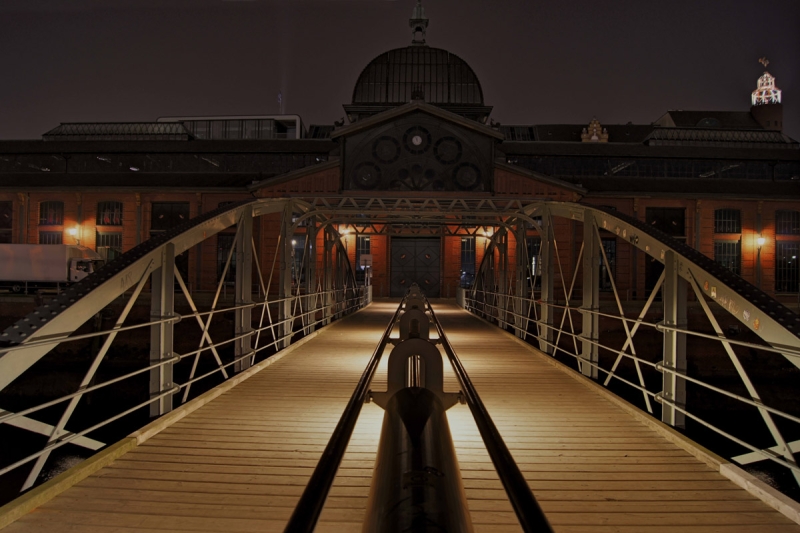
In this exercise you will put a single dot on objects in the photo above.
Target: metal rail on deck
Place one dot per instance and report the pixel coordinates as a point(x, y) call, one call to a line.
point(309, 507)
point(529, 513)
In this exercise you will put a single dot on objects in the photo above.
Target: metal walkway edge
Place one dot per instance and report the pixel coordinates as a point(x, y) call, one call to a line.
point(240, 462)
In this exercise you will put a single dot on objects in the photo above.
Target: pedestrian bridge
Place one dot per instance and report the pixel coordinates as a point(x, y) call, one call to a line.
point(540, 437)
point(238, 458)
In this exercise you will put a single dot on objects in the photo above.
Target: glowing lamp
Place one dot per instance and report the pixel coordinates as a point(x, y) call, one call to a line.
point(761, 241)
point(72, 231)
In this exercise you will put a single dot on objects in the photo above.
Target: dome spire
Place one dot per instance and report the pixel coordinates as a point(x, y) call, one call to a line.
point(419, 24)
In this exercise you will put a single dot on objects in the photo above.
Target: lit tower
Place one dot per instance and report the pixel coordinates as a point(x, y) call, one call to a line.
point(766, 101)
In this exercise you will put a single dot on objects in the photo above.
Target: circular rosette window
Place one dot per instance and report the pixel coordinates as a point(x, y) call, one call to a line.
point(447, 150)
point(386, 149)
point(367, 175)
point(467, 177)
point(417, 140)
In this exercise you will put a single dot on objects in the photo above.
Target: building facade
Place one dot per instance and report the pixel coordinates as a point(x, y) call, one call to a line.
point(725, 183)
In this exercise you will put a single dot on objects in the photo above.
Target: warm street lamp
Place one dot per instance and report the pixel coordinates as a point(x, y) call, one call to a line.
point(74, 232)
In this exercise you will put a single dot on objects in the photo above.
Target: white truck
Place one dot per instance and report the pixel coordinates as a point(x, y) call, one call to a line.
point(25, 267)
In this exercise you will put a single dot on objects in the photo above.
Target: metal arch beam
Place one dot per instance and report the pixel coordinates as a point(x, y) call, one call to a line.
point(60, 317)
point(762, 314)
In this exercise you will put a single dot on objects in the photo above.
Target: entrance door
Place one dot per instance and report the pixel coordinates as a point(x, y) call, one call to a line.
point(415, 260)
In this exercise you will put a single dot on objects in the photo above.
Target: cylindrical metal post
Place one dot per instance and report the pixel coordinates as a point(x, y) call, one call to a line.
point(416, 485)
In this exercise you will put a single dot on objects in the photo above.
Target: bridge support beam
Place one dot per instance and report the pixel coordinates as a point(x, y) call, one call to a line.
point(327, 275)
point(502, 281)
point(674, 297)
point(521, 305)
point(546, 260)
point(311, 274)
point(244, 291)
point(591, 297)
point(285, 287)
point(162, 306)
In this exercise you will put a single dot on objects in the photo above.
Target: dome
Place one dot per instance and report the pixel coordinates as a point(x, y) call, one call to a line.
point(418, 73)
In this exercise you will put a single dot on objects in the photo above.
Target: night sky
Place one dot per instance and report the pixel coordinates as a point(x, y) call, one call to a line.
point(538, 62)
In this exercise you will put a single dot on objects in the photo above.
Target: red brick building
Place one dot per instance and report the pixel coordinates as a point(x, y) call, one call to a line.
point(726, 183)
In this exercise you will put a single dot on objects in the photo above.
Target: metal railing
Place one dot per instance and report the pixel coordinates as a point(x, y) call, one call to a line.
point(301, 302)
point(504, 310)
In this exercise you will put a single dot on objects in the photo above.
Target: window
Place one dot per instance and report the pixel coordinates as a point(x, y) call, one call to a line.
point(787, 222)
point(787, 274)
point(670, 220)
point(49, 237)
point(109, 214)
point(167, 215)
point(727, 221)
point(225, 242)
point(109, 245)
point(729, 255)
point(51, 214)
point(534, 245)
point(6, 221)
point(608, 273)
point(467, 261)
point(362, 248)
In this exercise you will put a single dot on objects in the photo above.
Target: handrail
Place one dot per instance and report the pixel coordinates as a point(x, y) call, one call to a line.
point(660, 368)
point(309, 507)
point(529, 513)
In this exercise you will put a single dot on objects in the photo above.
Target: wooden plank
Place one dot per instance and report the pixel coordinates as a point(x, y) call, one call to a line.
point(239, 463)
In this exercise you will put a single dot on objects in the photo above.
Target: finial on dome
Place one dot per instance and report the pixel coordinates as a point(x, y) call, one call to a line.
point(418, 23)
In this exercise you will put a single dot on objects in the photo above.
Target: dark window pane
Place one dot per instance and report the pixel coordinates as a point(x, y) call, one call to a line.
point(787, 222)
point(49, 237)
point(607, 273)
point(467, 261)
point(727, 221)
point(109, 245)
point(51, 213)
point(787, 274)
point(362, 248)
point(109, 214)
point(225, 242)
point(729, 255)
point(670, 220)
point(534, 246)
point(166, 215)
point(6, 215)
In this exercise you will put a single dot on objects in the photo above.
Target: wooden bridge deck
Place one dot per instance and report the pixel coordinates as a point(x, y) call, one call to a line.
point(239, 463)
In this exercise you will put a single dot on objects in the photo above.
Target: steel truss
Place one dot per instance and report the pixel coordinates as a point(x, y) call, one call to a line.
point(298, 301)
point(529, 309)
point(536, 305)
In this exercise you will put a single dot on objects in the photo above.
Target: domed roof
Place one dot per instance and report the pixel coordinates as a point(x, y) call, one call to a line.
point(418, 73)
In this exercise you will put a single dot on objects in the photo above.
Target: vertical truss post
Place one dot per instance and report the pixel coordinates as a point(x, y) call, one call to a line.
point(674, 298)
point(285, 286)
point(547, 256)
point(162, 306)
point(522, 306)
point(244, 291)
point(327, 275)
point(340, 279)
point(591, 296)
point(489, 286)
point(502, 281)
point(311, 273)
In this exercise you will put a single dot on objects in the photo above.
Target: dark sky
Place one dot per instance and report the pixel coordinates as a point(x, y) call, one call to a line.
point(539, 62)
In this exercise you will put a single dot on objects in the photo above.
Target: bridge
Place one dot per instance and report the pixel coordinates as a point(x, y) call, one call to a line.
point(245, 417)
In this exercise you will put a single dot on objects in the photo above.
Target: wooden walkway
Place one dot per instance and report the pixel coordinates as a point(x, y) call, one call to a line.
point(239, 463)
